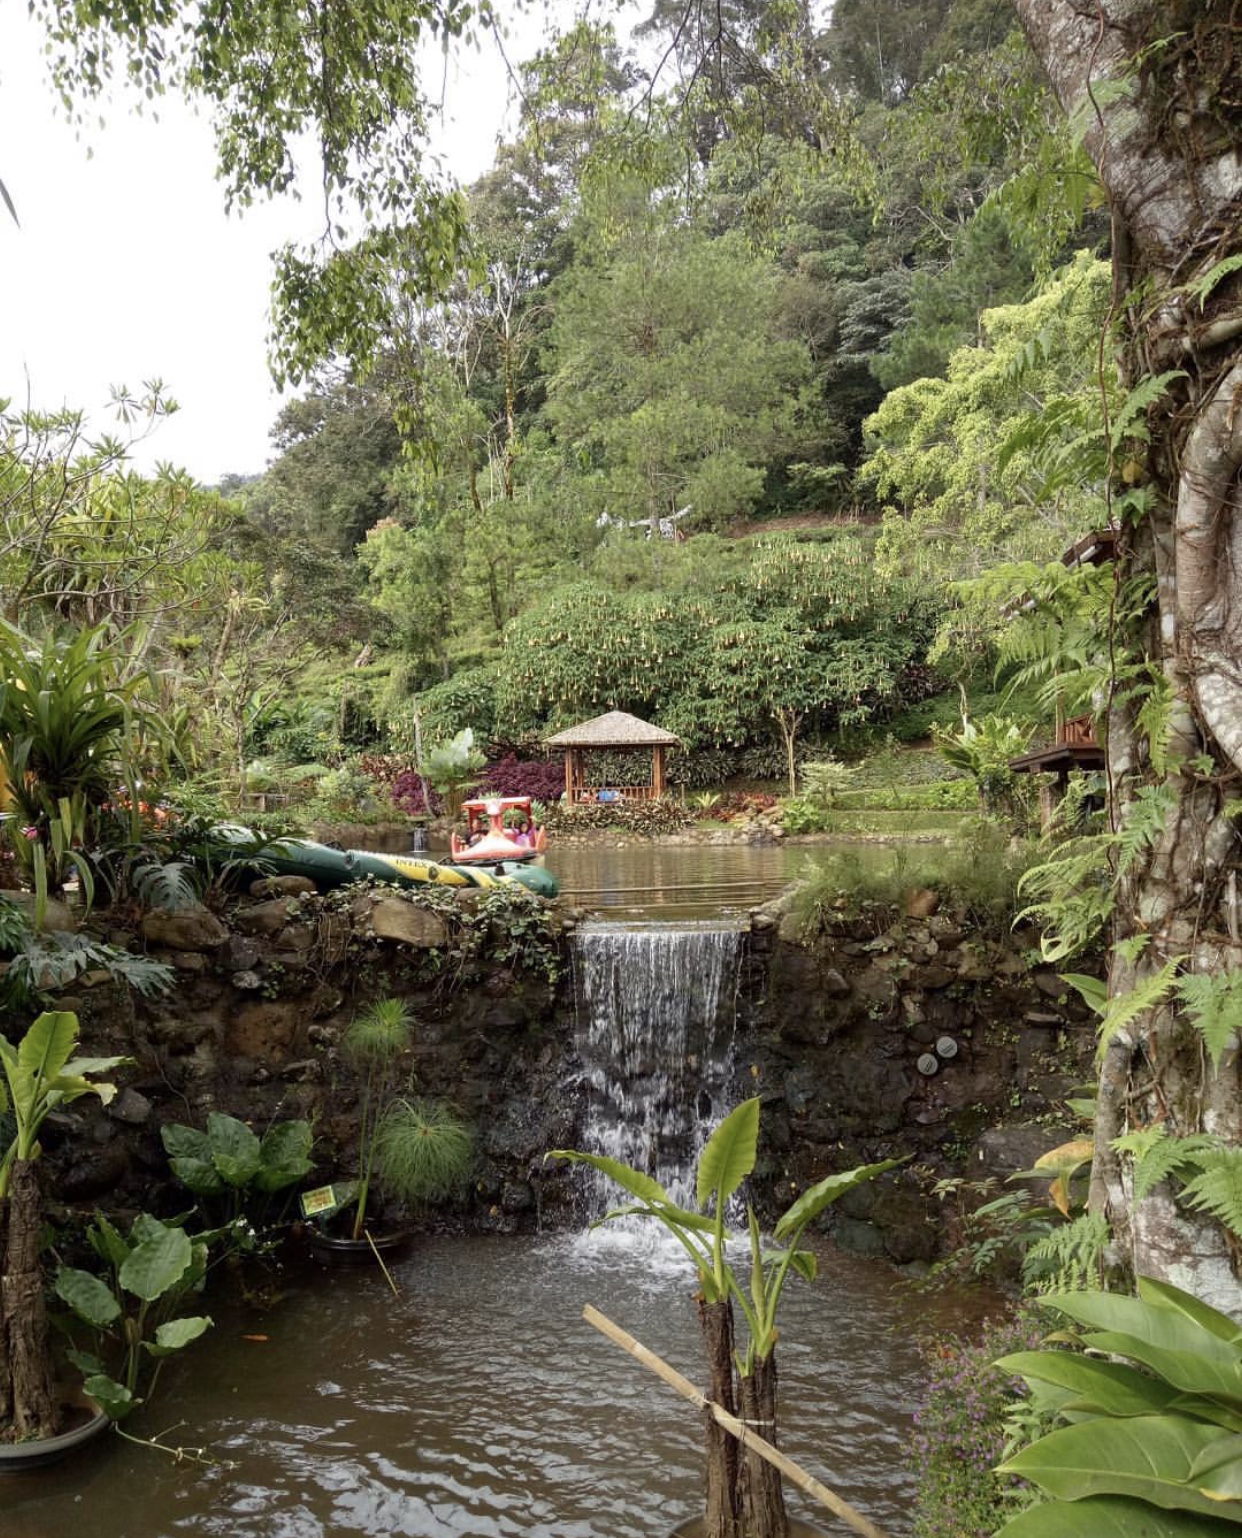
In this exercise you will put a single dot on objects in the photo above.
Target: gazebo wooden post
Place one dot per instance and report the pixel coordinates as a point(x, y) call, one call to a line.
point(569, 776)
point(657, 770)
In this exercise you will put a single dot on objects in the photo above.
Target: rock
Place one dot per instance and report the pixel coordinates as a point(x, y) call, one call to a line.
point(790, 929)
point(264, 1031)
point(186, 929)
point(243, 954)
point(247, 982)
point(394, 919)
point(833, 984)
point(264, 918)
point(282, 886)
point(188, 961)
point(921, 903)
point(517, 1197)
point(100, 1171)
point(131, 1107)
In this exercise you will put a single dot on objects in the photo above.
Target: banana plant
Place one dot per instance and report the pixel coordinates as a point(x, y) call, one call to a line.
point(1152, 1445)
point(40, 1074)
point(744, 1496)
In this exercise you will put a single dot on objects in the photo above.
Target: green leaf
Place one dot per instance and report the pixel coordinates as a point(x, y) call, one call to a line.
point(178, 1333)
point(108, 1242)
point(1147, 1457)
point(1152, 1290)
point(157, 1264)
point(644, 1187)
point(113, 1398)
point(191, 1159)
point(1103, 1388)
point(1109, 1516)
point(1093, 992)
point(284, 1155)
point(41, 1054)
point(89, 1298)
point(813, 1201)
point(729, 1155)
point(235, 1150)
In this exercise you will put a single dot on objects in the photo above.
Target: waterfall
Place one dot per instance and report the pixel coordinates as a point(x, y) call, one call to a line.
point(656, 1014)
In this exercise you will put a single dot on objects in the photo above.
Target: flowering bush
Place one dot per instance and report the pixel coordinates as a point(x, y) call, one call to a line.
point(960, 1432)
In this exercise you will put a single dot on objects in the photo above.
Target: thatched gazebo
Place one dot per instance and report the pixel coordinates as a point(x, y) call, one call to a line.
point(615, 732)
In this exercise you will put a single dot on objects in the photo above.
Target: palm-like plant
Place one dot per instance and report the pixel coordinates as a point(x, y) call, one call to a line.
point(68, 728)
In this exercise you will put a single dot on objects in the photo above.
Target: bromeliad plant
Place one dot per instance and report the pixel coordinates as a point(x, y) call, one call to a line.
point(744, 1496)
point(40, 1074)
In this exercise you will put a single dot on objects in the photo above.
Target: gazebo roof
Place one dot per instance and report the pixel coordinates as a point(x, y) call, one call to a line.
point(615, 729)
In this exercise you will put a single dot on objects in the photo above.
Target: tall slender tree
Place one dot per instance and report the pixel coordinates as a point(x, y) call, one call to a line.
point(1151, 86)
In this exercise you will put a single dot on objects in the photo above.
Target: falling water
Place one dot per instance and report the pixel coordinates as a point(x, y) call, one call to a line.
point(656, 1012)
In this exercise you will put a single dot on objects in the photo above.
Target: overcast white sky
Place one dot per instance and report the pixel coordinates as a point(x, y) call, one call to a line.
point(125, 267)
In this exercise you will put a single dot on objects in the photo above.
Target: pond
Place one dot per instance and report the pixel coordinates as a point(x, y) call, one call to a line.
point(479, 1404)
point(691, 880)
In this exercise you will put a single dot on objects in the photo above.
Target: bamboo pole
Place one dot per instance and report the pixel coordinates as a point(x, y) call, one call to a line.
point(735, 1427)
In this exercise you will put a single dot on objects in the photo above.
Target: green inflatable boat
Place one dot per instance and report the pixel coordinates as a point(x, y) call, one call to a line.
point(329, 868)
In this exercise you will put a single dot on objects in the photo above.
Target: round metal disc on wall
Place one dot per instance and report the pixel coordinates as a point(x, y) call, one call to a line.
point(928, 1064)
point(946, 1047)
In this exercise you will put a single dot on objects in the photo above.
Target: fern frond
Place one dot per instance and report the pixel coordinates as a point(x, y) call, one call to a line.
point(1165, 1156)
point(1146, 819)
point(1128, 417)
point(1218, 1187)
point(1124, 1008)
point(1072, 895)
point(1068, 1257)
point(1214, 1005)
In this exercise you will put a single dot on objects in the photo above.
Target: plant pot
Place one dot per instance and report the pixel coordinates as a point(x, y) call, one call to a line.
point(19, 1457)
point(694, 1529)
point(335, 1248)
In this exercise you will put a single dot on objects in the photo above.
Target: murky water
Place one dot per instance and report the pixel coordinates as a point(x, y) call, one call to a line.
point(479, 1404)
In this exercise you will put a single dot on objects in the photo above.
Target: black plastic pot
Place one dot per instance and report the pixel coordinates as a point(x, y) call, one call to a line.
point(338, 1248)
point(20, 1457)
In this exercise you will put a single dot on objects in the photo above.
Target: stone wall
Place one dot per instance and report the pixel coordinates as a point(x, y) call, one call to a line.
point(839, 1037)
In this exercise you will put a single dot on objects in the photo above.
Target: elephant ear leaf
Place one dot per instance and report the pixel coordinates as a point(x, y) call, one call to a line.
point(643, 1187)
point(813, 1201)
point(729, 1155)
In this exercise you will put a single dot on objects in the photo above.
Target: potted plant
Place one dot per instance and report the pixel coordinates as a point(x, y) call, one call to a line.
point(744, 1495)
point(411, 1149)
point(40, 1074)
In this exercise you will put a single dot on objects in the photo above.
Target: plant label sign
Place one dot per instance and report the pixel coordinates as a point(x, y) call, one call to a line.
point(325, 1200)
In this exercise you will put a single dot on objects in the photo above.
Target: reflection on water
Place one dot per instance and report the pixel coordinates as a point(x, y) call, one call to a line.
point(478, 1403)
point(673, 881)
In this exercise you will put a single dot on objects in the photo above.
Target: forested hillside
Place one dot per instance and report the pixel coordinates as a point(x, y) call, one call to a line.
point(754, 351)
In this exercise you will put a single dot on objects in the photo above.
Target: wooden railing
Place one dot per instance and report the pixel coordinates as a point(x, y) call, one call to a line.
point(587, 794)
point(1078, 733)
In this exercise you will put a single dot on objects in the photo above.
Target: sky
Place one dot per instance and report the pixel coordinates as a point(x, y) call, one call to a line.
point(125, 267)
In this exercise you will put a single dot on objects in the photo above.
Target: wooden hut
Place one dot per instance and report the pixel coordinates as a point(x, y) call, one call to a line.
point(615, 732)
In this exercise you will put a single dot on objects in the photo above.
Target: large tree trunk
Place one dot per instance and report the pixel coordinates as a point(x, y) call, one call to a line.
point(23, 1319)
point(6, 1371)
point(761, 1498)
point(1153, 83)
point(720, 1520)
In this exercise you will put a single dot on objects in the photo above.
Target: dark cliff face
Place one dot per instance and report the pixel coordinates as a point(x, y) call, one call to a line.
point(913, 1039)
